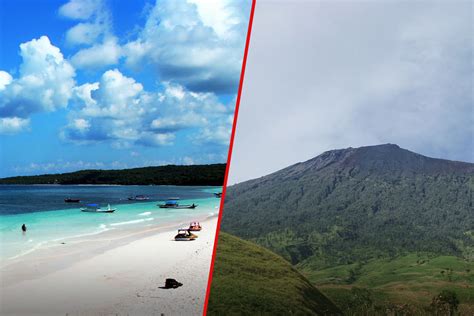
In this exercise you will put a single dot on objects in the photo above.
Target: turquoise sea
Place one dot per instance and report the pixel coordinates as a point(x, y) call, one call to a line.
point(50, 220)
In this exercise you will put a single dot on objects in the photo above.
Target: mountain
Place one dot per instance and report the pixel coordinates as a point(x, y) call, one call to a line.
point(163, 175)
point(366, 217)
point(357, 203)
point(250, 280)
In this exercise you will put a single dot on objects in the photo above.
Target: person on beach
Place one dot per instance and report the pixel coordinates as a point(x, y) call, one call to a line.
point(23, 228)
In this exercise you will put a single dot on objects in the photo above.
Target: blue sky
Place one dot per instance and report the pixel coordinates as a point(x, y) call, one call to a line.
point(117, 84)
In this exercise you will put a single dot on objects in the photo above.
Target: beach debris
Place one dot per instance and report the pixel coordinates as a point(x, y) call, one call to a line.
point(172, 284)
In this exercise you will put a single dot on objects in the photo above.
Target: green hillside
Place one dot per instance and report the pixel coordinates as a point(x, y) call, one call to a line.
point(162, 175)
point(407, 283)
point(357, 204)
point(250, 280)
point(353, 220)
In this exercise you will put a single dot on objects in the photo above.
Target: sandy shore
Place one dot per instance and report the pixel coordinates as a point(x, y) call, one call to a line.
point(112, 276)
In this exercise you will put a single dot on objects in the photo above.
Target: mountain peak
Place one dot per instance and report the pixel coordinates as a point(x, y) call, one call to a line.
point(384, 158)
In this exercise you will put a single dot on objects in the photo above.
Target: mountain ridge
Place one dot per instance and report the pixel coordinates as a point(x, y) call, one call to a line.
point(349, 157)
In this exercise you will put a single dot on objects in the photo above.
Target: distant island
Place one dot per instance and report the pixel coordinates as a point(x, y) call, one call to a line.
point(212, 174)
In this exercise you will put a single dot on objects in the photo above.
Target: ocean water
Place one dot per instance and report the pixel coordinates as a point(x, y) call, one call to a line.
point(50, 220)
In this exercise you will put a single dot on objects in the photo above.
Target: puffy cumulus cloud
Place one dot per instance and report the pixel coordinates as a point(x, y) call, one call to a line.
point(5, 79)
point(45, 83)
point(13, 125)
point(119, 110)
point(218, 133)
point(100, 46)
point(80, 9)
point(84, 33)
point(99, 55)
point(198, 44)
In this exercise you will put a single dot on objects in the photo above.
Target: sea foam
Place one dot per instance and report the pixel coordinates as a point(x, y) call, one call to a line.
point(132, 222)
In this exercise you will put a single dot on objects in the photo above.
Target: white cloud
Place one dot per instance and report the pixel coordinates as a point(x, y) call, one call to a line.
point(12, 125)
point(80, 9)
point(81, 124)
point(5, 79)
point(102, 48)
point(62, 166)
point(196, 44)
point(119, 110)
point(99, 55)
point(45, 82)
point(84, 33)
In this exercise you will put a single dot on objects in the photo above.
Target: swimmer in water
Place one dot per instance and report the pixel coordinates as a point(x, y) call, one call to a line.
point(23, 228)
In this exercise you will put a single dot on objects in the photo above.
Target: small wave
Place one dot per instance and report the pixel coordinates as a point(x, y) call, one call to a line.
point(145, 214)
point(132, 222)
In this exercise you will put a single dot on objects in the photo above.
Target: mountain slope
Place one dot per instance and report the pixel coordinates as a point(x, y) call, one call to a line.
point(355, 204)
point(250, 280)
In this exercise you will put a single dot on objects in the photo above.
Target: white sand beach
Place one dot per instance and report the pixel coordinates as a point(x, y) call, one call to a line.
point(112, 275)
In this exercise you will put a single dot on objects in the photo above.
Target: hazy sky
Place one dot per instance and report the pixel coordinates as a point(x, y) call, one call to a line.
point(332, 74)
point(116, 84)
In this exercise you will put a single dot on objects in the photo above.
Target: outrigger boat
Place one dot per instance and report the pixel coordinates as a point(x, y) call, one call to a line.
point(174, 204)
point(95, 208)
point(184, 234)
point(195, 227)
point(139, 198)
point(69, 200)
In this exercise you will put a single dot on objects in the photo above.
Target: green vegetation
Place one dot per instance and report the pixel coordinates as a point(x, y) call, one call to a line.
point(250, 280)
point(378, 229)
point(358, 204)
point(162, 175)
point(409, 282)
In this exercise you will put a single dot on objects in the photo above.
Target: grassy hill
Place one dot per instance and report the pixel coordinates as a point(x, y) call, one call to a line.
point(346, 215)
point(163, 175)
point(406, 283)
point(250, 280)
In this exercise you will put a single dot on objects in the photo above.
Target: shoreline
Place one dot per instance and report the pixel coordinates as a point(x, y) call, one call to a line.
point(86, 242)
point(133, 217)
point(125, 257)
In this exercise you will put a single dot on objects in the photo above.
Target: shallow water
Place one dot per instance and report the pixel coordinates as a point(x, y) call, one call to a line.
point(50, 220)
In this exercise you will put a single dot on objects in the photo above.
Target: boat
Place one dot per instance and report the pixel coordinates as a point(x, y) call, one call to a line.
point(184, 234)
point(139, 198)
point(95, 208)
point(195, 227)
point(69, 200)
point(218, 194)
point(174, 204)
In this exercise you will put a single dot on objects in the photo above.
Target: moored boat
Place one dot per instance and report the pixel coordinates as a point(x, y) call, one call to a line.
point(95, 208)
point(69, 200)
point(218, 194)
point(174, 204)
point(195, 227)
point(184, 235)
point(139, 198)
